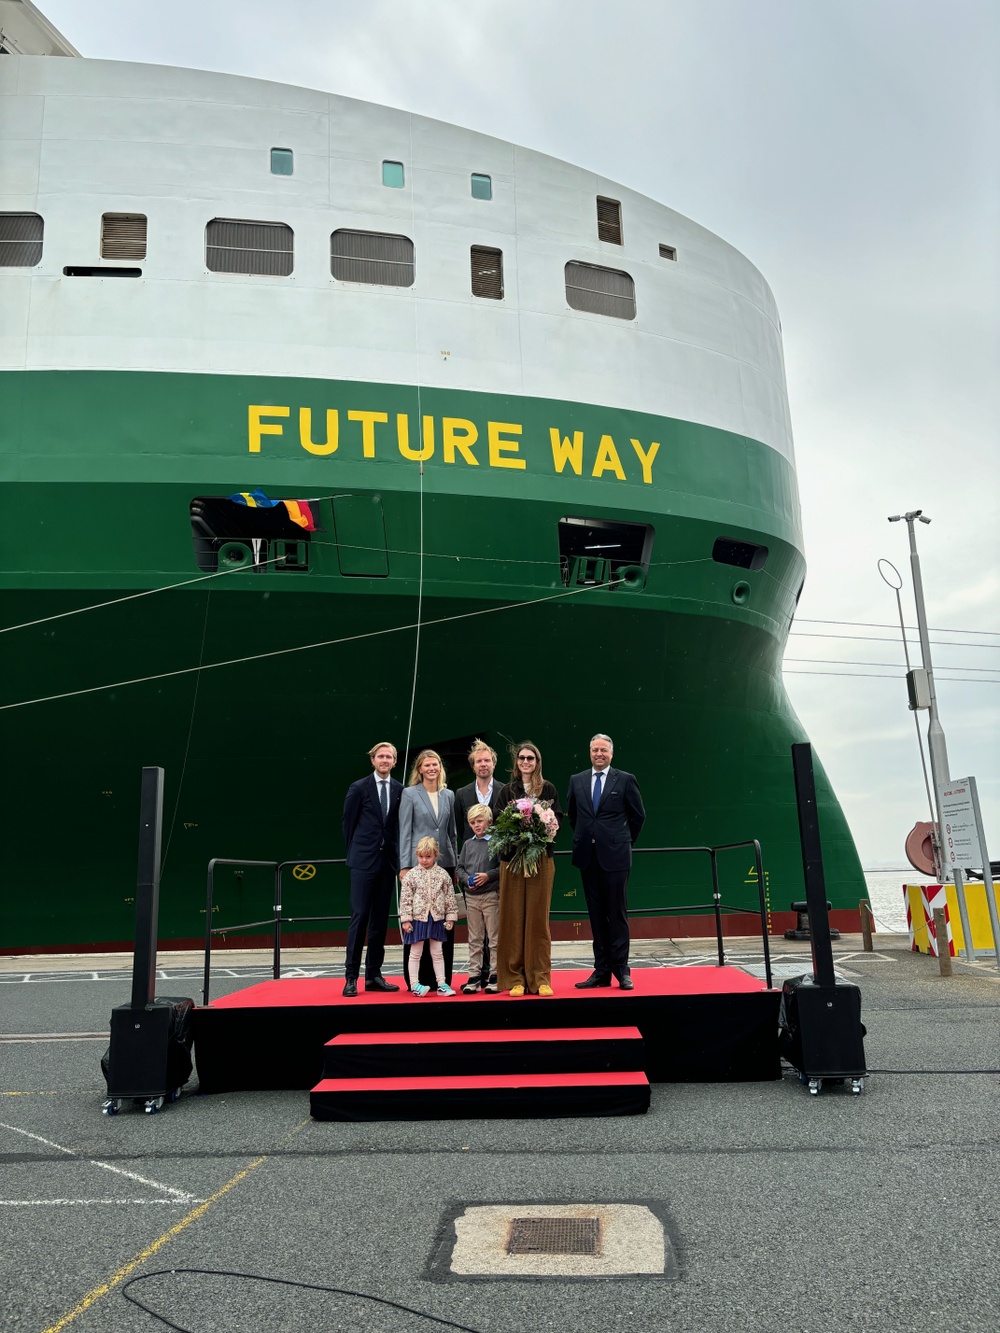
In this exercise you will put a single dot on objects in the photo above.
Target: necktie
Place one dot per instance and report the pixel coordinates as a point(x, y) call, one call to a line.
point(597, 790)
point(385, 799)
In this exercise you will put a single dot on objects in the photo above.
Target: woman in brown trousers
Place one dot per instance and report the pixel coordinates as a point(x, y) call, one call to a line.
point(524, 945)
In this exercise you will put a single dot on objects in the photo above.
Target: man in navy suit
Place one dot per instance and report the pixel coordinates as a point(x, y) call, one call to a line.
point(606, 811)
point(371, 835)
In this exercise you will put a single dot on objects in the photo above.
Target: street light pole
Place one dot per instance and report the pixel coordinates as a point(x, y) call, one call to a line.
point(940, 772)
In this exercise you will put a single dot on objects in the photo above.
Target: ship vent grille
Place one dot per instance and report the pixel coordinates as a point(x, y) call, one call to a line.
point(487, 272)
point(123, 236)
point(233, 245)
point(609, 220)
point(20, 240)
point(602, 291)
point(372, 257)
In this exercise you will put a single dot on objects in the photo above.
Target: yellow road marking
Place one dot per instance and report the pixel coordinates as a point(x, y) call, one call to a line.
point(119, 1277)
point(51, 1093)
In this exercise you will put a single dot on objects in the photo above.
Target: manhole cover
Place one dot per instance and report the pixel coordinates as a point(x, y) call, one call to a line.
point(562, 1241)
point(554, 1235)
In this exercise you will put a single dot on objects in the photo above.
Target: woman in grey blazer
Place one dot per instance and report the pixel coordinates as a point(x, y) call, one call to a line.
point(427, 810)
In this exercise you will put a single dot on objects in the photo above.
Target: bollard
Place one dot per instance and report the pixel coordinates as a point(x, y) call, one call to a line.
point(941, 933)
point(866, 924)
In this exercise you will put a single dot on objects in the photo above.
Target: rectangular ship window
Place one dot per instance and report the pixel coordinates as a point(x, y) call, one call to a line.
point(20, 240)
point(234, 245)
point(602, 291)
point(609, 220)
point(393, 175)
point(482, 186)
point(487, 272)
point(282, 162)
point(123, 236)
point(595, 550)
point(372, 256)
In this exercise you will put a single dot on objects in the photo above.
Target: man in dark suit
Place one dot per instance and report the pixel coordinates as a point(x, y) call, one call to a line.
point(606, 811)
point(371, 835)
point(484, 791)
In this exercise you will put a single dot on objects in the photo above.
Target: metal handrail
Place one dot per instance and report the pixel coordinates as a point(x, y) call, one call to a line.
point(717, 907)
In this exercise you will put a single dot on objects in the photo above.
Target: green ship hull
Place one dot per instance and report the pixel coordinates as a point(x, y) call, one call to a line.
point(260, 692)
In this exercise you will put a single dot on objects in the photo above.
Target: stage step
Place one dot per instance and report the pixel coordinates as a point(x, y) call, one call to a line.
point(359, 1055)
point(483, 1096)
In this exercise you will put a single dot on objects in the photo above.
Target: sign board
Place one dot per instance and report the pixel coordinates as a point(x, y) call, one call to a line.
point(962, 846)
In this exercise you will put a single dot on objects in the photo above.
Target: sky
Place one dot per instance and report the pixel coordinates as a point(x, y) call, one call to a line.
point(849, 149)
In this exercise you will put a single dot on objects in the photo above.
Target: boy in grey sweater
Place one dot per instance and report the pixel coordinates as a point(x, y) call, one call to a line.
point(479, 878)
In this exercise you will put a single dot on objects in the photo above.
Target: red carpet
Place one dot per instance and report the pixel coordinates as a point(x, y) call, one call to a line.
point(650, 982)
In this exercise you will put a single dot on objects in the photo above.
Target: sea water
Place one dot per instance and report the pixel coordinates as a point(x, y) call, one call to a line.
point(885, 891)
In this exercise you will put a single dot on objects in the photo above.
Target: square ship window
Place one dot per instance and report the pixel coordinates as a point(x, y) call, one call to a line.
point(282, 162)
point(392, 175)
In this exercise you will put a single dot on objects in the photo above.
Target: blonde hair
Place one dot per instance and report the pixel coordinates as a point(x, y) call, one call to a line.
point(480, 812)
point(415, 777)
point(536, 779)
point(478, 745)
point(428, 845)
point(383, 745)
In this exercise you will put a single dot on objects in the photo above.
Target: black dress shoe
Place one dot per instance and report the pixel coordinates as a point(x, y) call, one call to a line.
point(380, 983)
point(625, 982)
point(350, 988)
point(593, 981)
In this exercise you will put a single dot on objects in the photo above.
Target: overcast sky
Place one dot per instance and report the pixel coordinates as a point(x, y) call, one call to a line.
point(849, 149)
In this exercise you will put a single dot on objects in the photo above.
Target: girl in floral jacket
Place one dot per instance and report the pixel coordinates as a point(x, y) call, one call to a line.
point(428, 909)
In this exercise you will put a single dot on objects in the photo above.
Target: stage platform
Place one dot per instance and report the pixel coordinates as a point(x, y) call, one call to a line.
point(698, 1024)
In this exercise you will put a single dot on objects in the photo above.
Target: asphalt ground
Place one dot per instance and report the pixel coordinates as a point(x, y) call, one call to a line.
point(784, 1210)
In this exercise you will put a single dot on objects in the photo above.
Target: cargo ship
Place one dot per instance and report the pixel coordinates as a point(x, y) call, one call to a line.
point(535, 434)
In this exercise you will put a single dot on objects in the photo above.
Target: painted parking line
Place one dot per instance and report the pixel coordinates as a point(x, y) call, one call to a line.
point(118, 1277)
point(176, 1195)
point(75, 1203)
point(13, 1037)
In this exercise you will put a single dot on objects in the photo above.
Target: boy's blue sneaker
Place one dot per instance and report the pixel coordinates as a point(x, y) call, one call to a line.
point(445, 990)
point(419, 990)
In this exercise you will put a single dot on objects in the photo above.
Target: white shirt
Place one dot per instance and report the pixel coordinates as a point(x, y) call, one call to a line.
point(484, 800)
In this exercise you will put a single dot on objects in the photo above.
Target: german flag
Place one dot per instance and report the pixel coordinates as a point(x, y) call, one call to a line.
point(299, 512)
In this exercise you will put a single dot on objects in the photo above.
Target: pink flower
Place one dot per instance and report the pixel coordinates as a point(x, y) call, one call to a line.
point(525, 806)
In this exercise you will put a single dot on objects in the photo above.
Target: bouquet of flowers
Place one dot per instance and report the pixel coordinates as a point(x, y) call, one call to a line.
point(521, 832)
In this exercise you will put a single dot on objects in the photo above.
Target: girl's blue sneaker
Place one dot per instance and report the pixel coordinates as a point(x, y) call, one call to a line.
point(445, 990)
point(420, 990)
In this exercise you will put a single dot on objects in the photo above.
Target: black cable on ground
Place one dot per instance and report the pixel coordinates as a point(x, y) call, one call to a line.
point(278, 1281)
